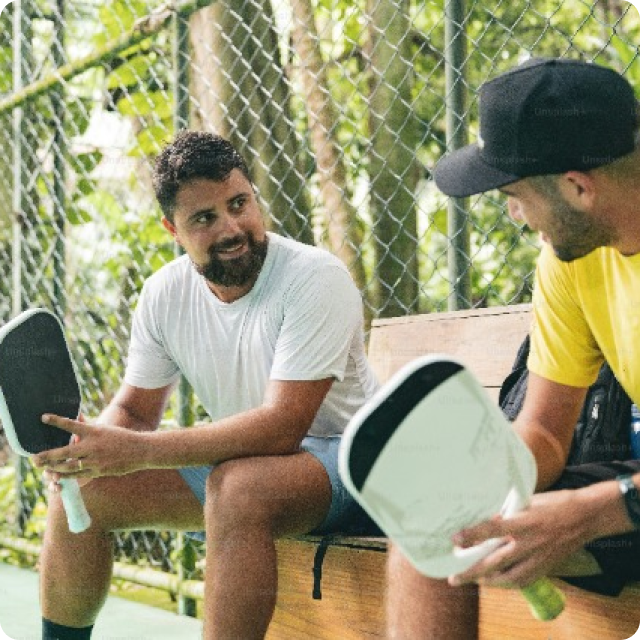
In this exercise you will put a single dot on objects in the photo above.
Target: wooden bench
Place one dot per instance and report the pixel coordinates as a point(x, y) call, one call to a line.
point(353, 582)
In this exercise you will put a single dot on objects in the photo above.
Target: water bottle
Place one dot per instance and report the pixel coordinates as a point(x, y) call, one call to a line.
point(635, 431)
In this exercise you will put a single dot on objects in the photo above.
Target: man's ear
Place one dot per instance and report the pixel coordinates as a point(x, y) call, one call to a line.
point(579, 189)
point(171, 228)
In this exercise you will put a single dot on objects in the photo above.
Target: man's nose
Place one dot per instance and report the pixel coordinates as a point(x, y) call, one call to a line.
point(230, 226)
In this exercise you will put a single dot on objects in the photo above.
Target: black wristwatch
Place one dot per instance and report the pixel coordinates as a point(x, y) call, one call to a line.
point(631, 497)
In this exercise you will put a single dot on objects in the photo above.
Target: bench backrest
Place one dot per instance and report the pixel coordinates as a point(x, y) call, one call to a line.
point(486, 340)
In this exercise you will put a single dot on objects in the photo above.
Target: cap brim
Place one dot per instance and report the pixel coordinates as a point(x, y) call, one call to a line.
point(464, 173)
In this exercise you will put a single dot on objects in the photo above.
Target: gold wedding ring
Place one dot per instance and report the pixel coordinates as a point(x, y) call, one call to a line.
point(79, 464)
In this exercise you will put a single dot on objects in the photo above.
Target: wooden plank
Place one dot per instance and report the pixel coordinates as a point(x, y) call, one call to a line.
point(486, 340)
point(351, 607)
point(504, 615)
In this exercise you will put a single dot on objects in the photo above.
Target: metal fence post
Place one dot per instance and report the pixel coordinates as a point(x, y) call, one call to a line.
point(180, 52)
point(59, 165)
point(457, 134)
point(21, 66)
point(20, 57)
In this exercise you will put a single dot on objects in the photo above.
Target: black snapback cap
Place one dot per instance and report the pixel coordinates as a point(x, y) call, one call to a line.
point(545, 116)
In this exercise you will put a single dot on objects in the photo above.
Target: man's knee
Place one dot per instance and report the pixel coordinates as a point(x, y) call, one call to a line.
point(233, 496)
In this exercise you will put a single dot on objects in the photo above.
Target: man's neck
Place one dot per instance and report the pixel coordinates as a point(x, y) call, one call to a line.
point(231, 294)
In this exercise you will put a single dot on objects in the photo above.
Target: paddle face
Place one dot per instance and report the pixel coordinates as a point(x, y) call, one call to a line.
point(430, 455)
point(36, 377)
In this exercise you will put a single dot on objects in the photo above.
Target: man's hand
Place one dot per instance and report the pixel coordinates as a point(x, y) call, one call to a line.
point(536, 540)
point(94, 451)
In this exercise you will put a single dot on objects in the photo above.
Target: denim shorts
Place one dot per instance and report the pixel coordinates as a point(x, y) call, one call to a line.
point(345, 515)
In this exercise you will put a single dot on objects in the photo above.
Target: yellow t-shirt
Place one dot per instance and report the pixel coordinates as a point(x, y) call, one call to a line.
point(587, 311)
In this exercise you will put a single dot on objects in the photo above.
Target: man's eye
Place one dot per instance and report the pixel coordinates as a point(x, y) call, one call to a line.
point(238, 204)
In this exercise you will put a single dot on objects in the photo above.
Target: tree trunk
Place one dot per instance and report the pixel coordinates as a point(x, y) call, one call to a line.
point(394, 171)
point(340, 216)
point(240, 91)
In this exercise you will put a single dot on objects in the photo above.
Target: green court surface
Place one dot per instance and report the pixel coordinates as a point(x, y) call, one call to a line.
point(119, 620)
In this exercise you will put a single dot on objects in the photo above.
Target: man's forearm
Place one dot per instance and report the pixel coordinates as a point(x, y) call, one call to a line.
point(128, 440)
point(135, 408)
point(119, 415)
point(605, 513)
point(257, 432)
point(274, 428)
point(548, 451)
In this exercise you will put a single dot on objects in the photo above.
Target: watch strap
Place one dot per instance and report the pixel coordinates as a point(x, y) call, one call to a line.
point(631, 497)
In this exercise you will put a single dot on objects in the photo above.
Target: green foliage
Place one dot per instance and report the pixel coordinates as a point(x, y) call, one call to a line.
point(626, 54)
point(499, 35)
point(120, 16)
point(139, 81)
point(150, 103)
point(132, 72)
point(8, 495)
point(31, 493)
point(6, 54)
point(139, 246)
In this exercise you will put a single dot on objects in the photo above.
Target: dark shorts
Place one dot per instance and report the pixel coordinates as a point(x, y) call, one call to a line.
point(345, 515)
point(618, 556)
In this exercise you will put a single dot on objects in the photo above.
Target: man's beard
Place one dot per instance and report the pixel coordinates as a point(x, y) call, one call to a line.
point(579, 233)
point(572, 233)
point(234, 272)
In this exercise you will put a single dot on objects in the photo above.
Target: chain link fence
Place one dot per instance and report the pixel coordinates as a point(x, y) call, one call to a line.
point(341, 108)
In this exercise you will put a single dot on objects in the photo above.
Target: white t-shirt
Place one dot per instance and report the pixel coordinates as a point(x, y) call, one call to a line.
point(302, 320)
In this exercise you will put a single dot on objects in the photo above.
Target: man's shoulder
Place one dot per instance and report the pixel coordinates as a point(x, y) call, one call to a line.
point(298, 255)
point(177, 266)
point(173, 274)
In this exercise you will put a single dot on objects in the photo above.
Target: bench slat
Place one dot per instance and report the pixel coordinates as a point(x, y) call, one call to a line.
point(486, 340)
point(351, 607)
point(504, 615)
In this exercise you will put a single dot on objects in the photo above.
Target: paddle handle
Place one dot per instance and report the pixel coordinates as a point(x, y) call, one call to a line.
point(77, 515)
point(545, 600)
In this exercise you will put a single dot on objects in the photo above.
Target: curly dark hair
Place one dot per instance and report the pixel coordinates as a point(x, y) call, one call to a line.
point(192, 155)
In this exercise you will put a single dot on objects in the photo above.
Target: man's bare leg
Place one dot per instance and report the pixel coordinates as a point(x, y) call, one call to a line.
point(250, 502)
point(76, 568)
point(254, 501)
point(421, 608)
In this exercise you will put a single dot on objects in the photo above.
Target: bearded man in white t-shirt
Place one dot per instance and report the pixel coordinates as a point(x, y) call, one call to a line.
point(269, 333)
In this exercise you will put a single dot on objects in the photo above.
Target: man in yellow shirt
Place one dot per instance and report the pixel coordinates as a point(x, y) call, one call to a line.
point(560, 139)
